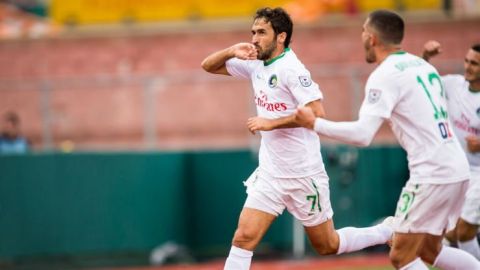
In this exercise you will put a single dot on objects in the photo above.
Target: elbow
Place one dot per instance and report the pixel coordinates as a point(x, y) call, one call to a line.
point(364, 141)
point(206, 66)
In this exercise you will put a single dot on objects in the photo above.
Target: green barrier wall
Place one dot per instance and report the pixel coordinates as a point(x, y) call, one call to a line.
point(63, 204)
point(98, 203)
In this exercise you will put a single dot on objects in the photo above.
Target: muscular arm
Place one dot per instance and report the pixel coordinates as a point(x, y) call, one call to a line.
point(215, 62)
point(260, 123)
point(360, 132)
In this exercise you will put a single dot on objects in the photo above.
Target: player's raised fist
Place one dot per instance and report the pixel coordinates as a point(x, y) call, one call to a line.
point(244, 51)
point(430, 49)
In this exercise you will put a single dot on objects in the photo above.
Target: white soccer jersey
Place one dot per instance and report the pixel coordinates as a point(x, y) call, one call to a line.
point(464, 113)
point(280, 86)
point(408, 91)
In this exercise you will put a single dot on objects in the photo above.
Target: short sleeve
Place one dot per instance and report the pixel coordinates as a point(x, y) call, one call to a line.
point(240, 68)
point(380, 98)
point(451, 83)
point(302, 87)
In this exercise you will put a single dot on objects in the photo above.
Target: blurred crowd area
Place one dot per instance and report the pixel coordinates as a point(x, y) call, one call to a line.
point(125, 74)
point(40, 18)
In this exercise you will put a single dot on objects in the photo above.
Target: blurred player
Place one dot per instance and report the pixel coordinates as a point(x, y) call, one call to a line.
point(11, 139)
point(407, 91)
point(291, 173)
point(463, 102)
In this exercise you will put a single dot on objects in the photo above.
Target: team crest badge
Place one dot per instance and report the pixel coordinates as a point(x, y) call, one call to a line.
point(478, 112)
point(272, 82)
point(374, 95)
point(305, 81)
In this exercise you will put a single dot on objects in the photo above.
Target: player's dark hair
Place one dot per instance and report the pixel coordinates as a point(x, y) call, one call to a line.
point(476, 47)
point(280, 21)
point(389, 26)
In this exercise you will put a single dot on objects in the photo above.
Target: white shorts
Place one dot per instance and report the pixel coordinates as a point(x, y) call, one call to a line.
point(471, 207)
point(307, 199)
point(429, 208)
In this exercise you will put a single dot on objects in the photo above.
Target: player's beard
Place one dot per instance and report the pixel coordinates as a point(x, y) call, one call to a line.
point(370, 56)
point(265, 54)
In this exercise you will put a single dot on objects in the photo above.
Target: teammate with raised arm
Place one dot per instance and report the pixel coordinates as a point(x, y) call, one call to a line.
point(407, 91)
point(291, 173)
point(463, 103)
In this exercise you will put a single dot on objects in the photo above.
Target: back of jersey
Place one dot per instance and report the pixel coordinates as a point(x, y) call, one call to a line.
point(408, 91)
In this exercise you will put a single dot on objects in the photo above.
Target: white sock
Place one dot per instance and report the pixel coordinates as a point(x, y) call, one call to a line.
point(471, 246)
point(353, 239)
point(454, 258)
point(238, 259)
point(416, 264)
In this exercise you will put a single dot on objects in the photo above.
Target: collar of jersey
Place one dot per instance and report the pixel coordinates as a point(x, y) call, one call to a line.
point(398, 53)
point(268, 62)
point(473, 91)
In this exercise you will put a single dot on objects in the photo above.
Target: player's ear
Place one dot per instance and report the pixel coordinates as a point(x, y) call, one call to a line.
point(373, 40)
point(281, 38)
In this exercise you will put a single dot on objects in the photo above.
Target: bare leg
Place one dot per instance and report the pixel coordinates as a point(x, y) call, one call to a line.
point(252, 226)
point(405, 248)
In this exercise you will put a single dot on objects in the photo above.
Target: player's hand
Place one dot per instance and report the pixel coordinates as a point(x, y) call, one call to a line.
point(258, 123)
point(473, 143)
point(305, 117)
point(244, 51)
point(430, 49)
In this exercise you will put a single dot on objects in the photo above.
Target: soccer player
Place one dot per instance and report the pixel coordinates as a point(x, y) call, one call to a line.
point(291, 173)
point(463, 103)
point(407, 91)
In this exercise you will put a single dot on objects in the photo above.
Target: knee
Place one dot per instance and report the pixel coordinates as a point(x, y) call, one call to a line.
point(466, 231)
point(396, 259)
point(245, 238)
point(327, 247)
point(430, 254)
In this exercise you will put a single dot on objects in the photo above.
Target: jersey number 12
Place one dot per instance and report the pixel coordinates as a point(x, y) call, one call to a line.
point(440, 114)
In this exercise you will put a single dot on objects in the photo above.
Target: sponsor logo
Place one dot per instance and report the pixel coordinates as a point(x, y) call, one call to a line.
point(272, 82)
point(463, 123)
point(374, 95)
point(305, 81)
point(262, 101)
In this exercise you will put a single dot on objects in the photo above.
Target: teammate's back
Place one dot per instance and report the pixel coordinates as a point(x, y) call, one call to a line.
point(419, 119)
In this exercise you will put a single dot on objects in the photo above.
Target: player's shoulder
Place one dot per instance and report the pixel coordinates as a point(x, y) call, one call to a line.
point(453, 78)
point(293, 65)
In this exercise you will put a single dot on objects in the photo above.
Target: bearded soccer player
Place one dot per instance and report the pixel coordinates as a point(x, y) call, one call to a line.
point(291, 173)
point(407, 91)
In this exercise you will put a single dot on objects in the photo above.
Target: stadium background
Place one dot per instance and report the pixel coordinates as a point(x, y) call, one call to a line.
point(135, 147)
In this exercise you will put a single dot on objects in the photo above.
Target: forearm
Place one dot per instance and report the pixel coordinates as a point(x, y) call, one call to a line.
point(360, 132)
point(215, 63)
point(290, 122)
point(284, 122)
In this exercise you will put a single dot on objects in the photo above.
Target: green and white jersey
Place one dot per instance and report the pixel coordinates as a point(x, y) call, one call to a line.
point(280, 86)
point(408, 91)
point(464, 112)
